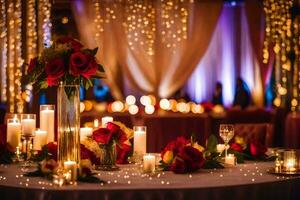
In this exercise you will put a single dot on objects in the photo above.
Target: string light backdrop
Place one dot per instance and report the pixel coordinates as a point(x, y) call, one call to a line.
point(282, 31)
point(13, 38)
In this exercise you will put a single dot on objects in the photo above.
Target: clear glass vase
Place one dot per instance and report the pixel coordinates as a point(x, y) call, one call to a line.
point(108, 157)
point(68, 110)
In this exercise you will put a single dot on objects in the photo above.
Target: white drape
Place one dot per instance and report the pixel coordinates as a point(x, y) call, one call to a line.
point(156, 55)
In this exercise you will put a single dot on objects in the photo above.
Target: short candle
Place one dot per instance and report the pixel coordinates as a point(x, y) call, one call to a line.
point(230, 159)
point(105, 120)
point(149, 163)
point(28, 126)
point(71, 166)
point(96, 123)
point(40, 139)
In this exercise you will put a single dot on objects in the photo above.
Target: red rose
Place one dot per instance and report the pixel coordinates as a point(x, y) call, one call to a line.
point(32, 64)
point(178, 166)
point(52, 150)
point(82, 64)
point(175, 146)
point(55, 69)
point(257, 149)
point(193, 158)
point(76, 46)
point(102, 135)
point(236, 147)
point(123, 153)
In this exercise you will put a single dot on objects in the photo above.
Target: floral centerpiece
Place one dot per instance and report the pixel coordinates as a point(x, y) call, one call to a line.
point(64, 61)
point(111, 144)
point(68, 65)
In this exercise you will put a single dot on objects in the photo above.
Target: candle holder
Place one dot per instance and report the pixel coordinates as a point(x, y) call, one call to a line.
point(287, 162)
point(149, 162)
point(14, 132)
point(28, 123)
point(139, 143)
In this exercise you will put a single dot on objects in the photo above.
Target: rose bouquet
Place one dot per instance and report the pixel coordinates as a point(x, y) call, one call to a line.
point(251, 149)
point(182, 156)
point(115, 138)
point(64, 61)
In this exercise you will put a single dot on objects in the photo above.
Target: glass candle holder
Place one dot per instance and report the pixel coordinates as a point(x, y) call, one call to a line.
point(28, 122)
point(290, 162)
point(139, 142)
point(13, 132)
point(279, 153)
point(47, 117)
point(149, 163)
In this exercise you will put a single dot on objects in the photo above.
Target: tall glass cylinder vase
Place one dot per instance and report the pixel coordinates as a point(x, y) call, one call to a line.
point(68, 110)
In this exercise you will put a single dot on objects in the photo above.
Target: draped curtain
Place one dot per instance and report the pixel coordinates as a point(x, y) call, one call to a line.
point(230, 55)
point(156, 44)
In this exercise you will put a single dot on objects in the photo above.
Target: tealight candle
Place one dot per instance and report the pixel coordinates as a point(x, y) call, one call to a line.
point(47, 121)
point(149, 163)
point(220, 148)
point(28, 124)
point(40, 139)
point(85, 133)
point(105, 120)
point(139, 140)
point(13, 132)
point(71, 167)
point(230, 159)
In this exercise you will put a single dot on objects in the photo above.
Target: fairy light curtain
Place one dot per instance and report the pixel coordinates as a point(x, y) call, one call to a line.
point(282, 33)
point(157, 43)
point(23, 33)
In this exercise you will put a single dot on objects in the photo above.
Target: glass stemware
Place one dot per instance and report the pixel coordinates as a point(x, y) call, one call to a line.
point(226, 133)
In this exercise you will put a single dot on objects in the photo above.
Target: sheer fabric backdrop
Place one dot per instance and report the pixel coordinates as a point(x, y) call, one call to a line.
point(152, 66)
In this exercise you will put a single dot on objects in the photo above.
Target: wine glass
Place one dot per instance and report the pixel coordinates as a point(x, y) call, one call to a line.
point(226, 133)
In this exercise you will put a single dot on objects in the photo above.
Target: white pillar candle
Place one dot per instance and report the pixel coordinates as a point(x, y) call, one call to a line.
point(149, 163)
point(47, 121)
point(105, 120)
point(230, 159)
point(85, 133)
point(139, 142)
point(40, 139)
point(220, 148)
point(28, 126)
point(71, 166)
point(13, 132)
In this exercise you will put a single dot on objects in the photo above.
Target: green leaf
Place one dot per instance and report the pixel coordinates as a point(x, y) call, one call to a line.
point(212, 164)
point(94, 51)
point(212, 143)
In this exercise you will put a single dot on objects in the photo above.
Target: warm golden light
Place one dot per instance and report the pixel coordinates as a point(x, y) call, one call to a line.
point(145, 100)
point(164, 104)
point(130, 100)
point(117, 106)
point(149, 109)
point(133, 109)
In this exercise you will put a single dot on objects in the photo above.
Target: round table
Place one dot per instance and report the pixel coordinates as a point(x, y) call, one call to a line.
point(245, 181)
